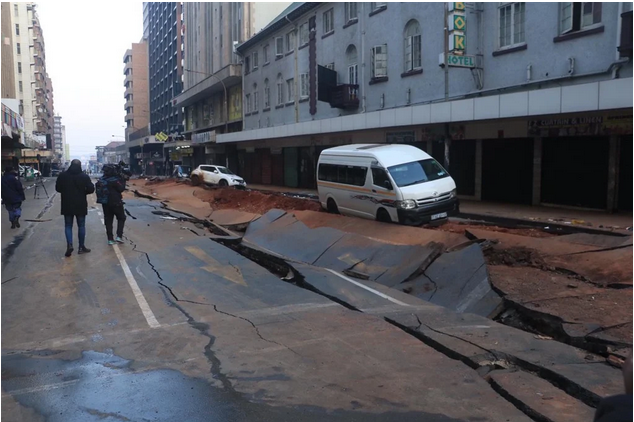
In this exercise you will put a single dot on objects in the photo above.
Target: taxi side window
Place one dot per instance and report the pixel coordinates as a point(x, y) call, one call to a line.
point(379, 178)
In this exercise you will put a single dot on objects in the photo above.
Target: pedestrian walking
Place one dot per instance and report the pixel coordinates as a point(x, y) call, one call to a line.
point(74, 186)
point(12, 196)
point(109, 190)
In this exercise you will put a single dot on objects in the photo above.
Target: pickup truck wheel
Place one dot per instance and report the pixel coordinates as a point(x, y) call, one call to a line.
point(223, 182)
point(195, 180)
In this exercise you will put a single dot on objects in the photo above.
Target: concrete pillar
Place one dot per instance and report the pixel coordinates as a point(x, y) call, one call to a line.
point(478, 170)
point(537, 171)
point(613, 171)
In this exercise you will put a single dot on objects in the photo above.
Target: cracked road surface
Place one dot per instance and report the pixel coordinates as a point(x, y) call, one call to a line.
point(232, 341)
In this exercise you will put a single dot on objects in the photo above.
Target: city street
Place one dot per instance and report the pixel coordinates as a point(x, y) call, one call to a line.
point(173, 325)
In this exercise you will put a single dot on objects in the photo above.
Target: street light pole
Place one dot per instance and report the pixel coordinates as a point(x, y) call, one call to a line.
point(224, 87)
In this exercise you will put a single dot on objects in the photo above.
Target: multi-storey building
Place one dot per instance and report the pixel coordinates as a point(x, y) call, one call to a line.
point(535, 106)
point(162, 23)
point(135, 71)
point(212, 96)
point(58, 138)
point(7, 63)
point(34, 88)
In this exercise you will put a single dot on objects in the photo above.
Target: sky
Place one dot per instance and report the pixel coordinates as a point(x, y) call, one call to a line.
point(84, 58)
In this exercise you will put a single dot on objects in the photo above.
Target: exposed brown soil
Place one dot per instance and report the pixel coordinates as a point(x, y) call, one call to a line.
point(515, 257)
point(569, 298)
point(253, 201)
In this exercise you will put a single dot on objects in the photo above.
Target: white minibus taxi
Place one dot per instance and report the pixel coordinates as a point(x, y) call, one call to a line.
point(391, 183)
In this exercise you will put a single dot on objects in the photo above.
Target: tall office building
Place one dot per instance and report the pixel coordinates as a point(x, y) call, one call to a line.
point(162, 27)
point(8, 70)
point(135, 69)
point(58, 138)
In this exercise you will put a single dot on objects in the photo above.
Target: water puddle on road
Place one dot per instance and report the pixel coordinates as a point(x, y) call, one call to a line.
point(102, 386)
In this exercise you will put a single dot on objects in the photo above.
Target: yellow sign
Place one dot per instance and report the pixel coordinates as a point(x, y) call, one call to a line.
point(161, 137)
point(459, 6)
point(459, 23)
point(457, 43)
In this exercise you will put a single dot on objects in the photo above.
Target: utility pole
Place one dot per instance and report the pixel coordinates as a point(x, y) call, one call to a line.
point(446, 57)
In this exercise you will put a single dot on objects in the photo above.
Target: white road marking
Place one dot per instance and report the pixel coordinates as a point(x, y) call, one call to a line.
point(145, 308)
point(476, 294)
point(99, 213)
point(369, 289)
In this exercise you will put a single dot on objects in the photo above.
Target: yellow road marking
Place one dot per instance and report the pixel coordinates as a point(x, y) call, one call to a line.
point(228, 272)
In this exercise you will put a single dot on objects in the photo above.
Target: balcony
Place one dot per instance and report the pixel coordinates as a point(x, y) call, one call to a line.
point(625, 46)
point(344, 96)
point(128, 91)
point(127, 104)
point(129, 116)
point(128, 78)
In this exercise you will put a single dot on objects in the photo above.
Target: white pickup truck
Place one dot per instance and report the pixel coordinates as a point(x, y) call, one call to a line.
point(216, 175)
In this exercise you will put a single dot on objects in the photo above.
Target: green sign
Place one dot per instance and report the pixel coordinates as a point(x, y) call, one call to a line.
point(461, 61)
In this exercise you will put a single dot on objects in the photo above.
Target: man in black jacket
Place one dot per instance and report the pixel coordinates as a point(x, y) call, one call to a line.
point(74, 186)
point(12, 196)
point(114, 185)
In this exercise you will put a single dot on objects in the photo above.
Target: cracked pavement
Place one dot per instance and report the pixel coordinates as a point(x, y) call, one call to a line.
point(234, 341)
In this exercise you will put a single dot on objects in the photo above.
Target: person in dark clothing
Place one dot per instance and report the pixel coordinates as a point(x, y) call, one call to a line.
point(12, 196)
point(74, 186)
point(114, 185)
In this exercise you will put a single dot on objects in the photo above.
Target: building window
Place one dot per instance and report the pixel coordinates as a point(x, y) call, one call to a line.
point(303, 34)
point(265, 53)
point(351, 60)
point(279, 46)
point(254, 60)
point(247, 102)
point(18, 48)
point(379, 61)
point(19, 67)
point(512, 24)
point(15, 10)
point(351, 11)
point(303, 85)
point(280, 90)
point(20, 86)
point(17, 29)
point(256, 104)
point(290, 41)
point(377, 6)
point(267, 94)
point(290, 89)
point(329, 21)
point(412, 46)
point(247, 65)
point(578, 16)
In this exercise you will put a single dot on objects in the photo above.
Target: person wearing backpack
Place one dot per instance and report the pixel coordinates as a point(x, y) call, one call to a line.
point(109, 190)
point(74, 186)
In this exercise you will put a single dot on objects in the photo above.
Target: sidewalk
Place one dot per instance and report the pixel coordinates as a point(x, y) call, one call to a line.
point(566, 216)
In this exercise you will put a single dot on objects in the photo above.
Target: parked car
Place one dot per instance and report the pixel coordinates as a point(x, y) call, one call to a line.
point(217, 175)
point(28, 170)
point(391, 183)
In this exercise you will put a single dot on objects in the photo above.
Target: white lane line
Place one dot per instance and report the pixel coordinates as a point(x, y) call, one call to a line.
point(145, 308)
point(99, 213)
point(369, 289)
